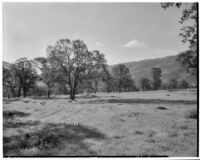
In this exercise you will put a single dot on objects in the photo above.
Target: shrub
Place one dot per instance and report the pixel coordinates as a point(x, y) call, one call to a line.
point(192, 114)
point(161, 108)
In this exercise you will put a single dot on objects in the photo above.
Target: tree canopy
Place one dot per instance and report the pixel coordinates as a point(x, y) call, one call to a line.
point(188, 59)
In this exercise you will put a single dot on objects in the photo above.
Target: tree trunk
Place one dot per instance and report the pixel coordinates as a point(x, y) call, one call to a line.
point(49, 92)
point(119, 88)
point(95, 86)
point(24, 92)
point(13, 91)
point(72, 94)
point(19, 92)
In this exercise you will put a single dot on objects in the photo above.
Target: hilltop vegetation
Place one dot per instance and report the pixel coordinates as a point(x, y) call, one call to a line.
point(170, 69)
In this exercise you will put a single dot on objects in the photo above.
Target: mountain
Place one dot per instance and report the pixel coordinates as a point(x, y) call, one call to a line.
point(170, 69)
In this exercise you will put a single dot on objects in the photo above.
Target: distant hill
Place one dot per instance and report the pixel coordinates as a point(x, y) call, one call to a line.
point(170, 69)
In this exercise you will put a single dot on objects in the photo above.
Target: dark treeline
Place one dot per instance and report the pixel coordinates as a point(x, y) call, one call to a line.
point(70, 68)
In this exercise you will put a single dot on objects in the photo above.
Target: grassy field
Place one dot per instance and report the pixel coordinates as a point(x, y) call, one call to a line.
point(161, 123)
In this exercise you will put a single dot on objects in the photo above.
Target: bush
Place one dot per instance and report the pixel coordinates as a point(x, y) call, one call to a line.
point(161, 108)
point(192, 114)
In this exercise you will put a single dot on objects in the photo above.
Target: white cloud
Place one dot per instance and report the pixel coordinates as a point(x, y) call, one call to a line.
point(98, 44)
point(134, 44)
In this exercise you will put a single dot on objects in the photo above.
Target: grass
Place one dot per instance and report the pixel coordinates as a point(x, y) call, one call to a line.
point(52, 139)
point(125, 124)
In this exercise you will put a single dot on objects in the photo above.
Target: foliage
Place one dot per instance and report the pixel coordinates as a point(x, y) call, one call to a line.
point(121, 76)
point(173, 84)
point(97, 72)
point(74, 61)
point(25, 71)
point(9, 80)
point(188, 58)
point(156, 74)
point(183, 84)
point(48, 73)
point(108, 80)
point(145, 84)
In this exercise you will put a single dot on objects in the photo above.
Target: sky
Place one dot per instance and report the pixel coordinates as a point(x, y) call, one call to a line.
point(123, 32)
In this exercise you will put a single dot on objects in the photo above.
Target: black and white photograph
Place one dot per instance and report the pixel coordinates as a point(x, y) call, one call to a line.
point(100, 79)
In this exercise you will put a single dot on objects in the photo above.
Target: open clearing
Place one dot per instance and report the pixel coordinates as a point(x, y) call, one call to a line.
point(162, 123)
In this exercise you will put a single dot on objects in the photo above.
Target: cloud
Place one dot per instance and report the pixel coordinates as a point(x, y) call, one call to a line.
point(134, 44)
point(98, 44)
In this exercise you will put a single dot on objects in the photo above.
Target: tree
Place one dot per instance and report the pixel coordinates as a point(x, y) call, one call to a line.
point(48, 73)
point(95, 77)
point(120, 74)
point(73, 59)
point(129, 84)
point(145, 84)
point(184, 84)
point(173, 83)
point(188, 59)
point(156, 73)
point(10, 82)
point(25, 71)
point(108, 80)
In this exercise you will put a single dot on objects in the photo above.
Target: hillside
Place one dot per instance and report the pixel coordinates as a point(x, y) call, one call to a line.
point(170, 69)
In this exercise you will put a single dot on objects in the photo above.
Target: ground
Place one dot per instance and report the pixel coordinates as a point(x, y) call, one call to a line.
point(151, 123)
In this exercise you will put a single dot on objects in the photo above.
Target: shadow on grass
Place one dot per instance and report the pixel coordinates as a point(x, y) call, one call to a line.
point(13, 114)
point(46, 98)
point(87, 96)
point(143, 101)
point(12, 124)
point(54, 139)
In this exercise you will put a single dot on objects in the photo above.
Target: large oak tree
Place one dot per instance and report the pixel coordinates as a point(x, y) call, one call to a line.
point(74, 60)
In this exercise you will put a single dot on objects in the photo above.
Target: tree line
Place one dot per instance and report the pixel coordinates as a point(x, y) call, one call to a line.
point(70, 68)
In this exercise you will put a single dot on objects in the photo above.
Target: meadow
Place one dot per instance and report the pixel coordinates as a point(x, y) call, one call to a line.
point(145, 123)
